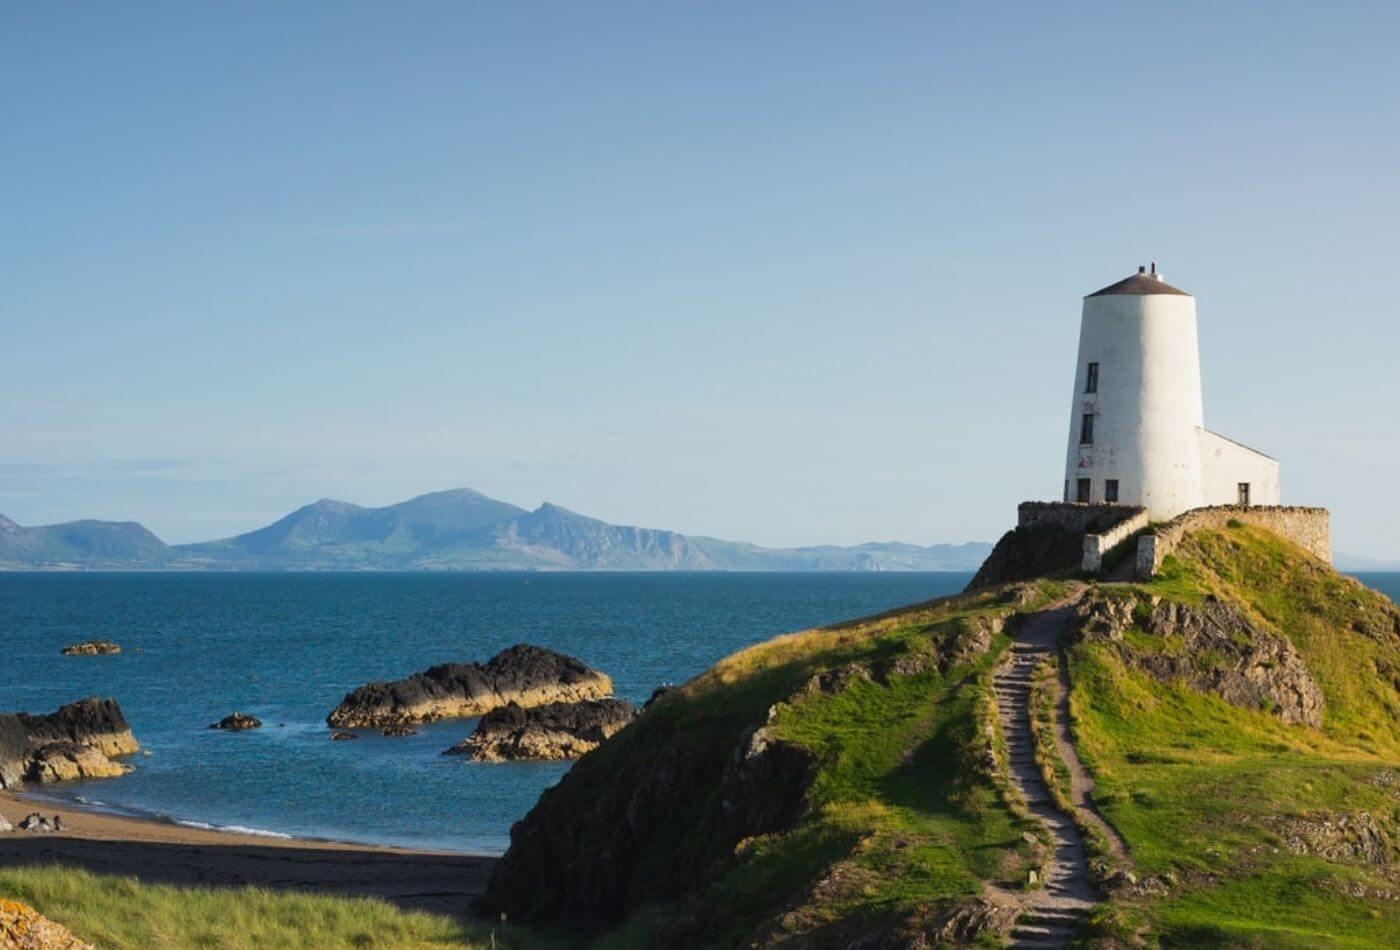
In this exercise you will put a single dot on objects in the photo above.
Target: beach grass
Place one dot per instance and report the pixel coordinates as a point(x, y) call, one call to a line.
point(117, 913)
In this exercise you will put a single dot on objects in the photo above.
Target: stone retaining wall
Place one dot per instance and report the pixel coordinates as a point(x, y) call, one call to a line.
point(1097, 546)
point(1077, 518)
point(1309, 528)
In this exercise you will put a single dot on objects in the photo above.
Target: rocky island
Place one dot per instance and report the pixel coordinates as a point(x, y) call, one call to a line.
point(551, 731)
point(91, 648)
point(522, 674)
point(78, 740)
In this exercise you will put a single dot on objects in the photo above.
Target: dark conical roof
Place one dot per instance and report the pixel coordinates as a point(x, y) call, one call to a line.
point(1140, 284)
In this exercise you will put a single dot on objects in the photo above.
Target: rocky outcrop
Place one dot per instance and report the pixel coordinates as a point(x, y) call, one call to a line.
point(66, 761)
point(398, 732)
point(524, 675)
point(552, 731)
point(1336, 836)
point(1213, 648)
point(94, 722)
point(91, 648)
point(41, 824)
point(75, 741)
point(24, 928)
point(237, 722)
point(1029, 552)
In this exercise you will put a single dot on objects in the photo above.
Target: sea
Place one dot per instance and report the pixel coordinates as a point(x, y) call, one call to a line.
point(287, 647)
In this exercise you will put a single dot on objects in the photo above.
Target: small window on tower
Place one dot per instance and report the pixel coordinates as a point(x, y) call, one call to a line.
point(1086, 429)
point(1082, 487)
point(1091, 380)
point(1110, 491)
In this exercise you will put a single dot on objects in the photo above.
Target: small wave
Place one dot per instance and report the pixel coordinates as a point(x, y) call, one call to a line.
point(233, 829)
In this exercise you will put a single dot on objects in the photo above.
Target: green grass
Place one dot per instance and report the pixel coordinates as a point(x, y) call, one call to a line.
point(1186, 777)
point(120, 912)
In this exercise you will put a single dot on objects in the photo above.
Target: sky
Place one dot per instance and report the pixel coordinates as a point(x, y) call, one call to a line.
point(781, 272)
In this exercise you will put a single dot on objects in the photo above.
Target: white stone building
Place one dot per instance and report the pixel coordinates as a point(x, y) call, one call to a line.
point(1137, 427)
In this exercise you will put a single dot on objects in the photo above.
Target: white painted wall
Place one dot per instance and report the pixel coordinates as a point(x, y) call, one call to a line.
point(1148, 412)
point(1225, 463)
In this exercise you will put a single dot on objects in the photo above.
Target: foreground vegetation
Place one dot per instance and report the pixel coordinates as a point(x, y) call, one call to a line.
point(120, 912)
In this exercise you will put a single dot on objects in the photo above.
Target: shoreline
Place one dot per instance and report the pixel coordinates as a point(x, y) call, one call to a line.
point(162, 851)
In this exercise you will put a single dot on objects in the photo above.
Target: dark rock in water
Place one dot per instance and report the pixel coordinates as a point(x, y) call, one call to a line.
point(91, 648)
point(237, 722)
point(1213, 648)
point(343, 736)
point(525, 675)
point(398, 731)
point(553, 731)
point(75, 741)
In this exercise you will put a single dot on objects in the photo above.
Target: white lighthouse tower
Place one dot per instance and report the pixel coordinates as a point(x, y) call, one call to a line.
point(1137, 427)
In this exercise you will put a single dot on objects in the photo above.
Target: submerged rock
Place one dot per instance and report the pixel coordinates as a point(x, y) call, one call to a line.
point(237, 722)
point(398, 731)
point(524, 675)
point(77, 740)
point(343, 736)
point(553, 731)
point(91, 648)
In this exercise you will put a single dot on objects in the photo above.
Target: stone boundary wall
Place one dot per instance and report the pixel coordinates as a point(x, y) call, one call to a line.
point(1309, 528)
point(1096, 546)
point(1077, 518)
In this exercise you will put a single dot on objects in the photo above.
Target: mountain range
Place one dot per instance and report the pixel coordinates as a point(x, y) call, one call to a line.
point(457, 530)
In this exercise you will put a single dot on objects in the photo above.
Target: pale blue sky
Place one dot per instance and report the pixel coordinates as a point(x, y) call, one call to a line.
point(783, 272)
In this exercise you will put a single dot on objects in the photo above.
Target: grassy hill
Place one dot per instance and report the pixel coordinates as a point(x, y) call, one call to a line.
point(849, 783)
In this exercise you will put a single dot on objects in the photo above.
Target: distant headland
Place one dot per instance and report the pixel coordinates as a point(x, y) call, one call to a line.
point(456, 530)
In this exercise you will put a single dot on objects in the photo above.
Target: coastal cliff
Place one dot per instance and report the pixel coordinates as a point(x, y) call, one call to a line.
point(1235, 722)
point(524, 675)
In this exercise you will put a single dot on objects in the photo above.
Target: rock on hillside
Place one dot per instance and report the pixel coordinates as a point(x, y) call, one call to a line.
point(1212, 647)
point(24, 928)
point(75, 741)
point(552, 731)
point(522, 674)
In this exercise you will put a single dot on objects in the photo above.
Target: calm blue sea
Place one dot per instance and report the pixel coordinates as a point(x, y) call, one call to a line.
point(287, 647)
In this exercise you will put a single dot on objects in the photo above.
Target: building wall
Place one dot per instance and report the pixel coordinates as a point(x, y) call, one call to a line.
point(1147, 410)
point(1309, 528)
point(1224, 464)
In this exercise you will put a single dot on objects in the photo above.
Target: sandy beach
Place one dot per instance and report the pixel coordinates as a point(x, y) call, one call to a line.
point(166, 853)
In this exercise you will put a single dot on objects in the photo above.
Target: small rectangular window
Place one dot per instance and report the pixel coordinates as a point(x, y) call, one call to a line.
point(1244, 494)
point(1110, 491)
point(1082, 487)
point(1086, 429)
point(1091, 380)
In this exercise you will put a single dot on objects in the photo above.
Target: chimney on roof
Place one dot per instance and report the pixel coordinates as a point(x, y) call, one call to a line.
point(1154, 271)
point(1141, 269)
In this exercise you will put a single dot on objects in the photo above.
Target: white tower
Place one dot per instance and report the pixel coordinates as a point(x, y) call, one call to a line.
point(1137, 429)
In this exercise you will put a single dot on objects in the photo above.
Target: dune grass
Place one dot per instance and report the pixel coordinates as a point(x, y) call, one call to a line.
point(117, 913)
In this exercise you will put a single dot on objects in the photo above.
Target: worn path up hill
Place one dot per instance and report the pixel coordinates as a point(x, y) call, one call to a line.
point(1054, 911)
